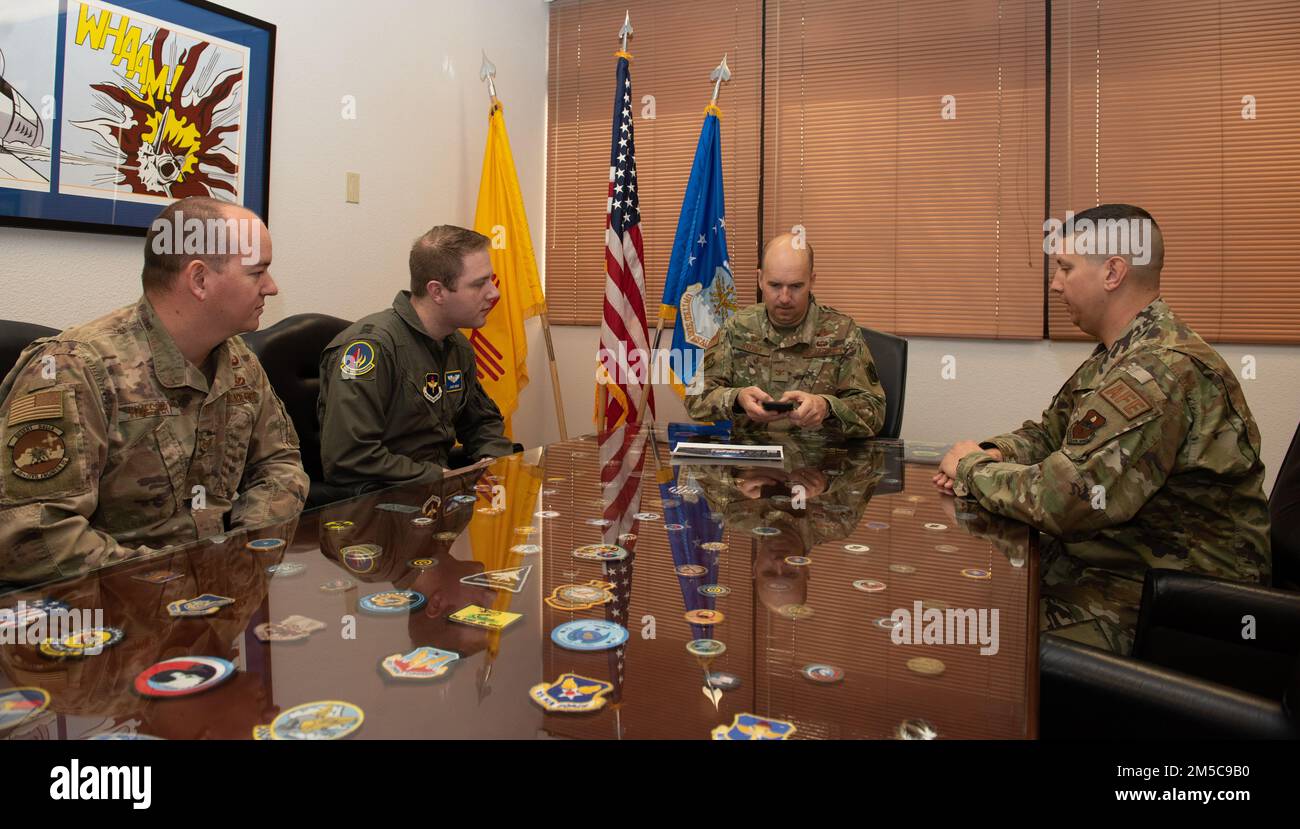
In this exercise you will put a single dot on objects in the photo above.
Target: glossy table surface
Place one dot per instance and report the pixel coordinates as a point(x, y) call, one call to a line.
point(810, 562)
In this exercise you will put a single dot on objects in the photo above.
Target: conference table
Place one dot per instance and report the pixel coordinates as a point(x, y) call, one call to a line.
point(595, 588)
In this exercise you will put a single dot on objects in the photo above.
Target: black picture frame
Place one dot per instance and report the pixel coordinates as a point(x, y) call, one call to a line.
point(88, 192)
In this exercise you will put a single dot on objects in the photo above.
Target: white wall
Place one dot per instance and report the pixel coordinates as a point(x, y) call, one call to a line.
point(418, 144)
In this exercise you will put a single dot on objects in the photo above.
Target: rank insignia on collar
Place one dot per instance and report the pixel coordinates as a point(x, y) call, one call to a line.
point(455, 381)
point(1083, 430)
point(752, 727)
point(431, 390)
point(571, 693)
point(422, 663)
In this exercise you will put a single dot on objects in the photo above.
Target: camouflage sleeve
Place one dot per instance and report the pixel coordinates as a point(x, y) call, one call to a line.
point(712, 397)
point(274, 484)
point(859, 399)
point(479, 425)
point(1120, 447)
point(1034, 441)
point(53, 448)
point(352, 424)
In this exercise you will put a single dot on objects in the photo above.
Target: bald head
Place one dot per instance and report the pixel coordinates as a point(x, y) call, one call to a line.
point(788, 251)
point(787, 278)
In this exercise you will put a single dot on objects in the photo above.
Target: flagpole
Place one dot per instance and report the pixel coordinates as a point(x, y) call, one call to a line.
point(555, 375)
point(488, 72)
point(654, 353)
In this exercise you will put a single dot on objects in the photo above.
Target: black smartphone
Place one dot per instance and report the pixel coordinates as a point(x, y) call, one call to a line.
point(776, 406)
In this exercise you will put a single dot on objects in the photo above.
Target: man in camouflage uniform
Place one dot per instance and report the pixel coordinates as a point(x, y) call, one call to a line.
point(788, 345)
point(399, 387)
point(153, 425)
point(1147, 457)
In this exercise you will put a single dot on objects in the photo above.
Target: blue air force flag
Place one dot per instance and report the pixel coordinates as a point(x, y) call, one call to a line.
point(699, 292)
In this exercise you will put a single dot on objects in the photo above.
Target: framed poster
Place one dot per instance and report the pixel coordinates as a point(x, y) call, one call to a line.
point(111, 110)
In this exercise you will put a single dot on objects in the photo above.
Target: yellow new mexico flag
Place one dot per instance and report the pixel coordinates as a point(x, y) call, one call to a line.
point(500, 347)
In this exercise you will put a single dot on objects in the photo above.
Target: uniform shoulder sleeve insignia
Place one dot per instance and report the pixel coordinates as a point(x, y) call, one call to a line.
point(358, 359)
point(41, 405)
point(1083, 430)
point(38, 452)
point(1128, 400)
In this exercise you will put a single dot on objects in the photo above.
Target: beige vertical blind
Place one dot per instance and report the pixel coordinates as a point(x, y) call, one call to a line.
point(676, 45)
point(1150, 107)
point(922, 224)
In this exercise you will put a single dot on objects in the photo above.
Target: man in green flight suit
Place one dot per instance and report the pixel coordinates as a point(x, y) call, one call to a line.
point(810, 355)
point(400, 387)
point(1147, 457)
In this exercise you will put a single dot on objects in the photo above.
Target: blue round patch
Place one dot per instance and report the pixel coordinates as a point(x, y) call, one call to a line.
point(589, 635)
point(393, 601)
point(358, 359)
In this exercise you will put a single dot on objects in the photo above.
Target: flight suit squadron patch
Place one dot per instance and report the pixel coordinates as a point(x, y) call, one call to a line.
point(1083, 430)
point(455, 381)
point(358, 359)
point(38, 452)
point(431, 390)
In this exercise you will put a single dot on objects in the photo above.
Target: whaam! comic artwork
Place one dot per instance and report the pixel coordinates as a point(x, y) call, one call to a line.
point(152, 112)
point(27, 34)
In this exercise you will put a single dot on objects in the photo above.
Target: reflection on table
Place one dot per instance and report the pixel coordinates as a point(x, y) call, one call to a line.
point(791, 580)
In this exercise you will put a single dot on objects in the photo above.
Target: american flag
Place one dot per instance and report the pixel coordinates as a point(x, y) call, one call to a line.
point(624, 313)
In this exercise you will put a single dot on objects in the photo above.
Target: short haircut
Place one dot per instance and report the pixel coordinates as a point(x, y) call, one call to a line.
point(806, 246)
point(1106, 214)
point(160, 269)
point(439, 256)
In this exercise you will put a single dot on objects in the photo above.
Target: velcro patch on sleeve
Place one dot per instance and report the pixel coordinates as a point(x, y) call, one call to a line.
point(41, 405)
point(1138, 373)
point(1127, 399)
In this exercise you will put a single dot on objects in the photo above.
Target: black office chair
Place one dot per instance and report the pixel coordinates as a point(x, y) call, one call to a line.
point(290, 352)
point(1284, 511)
point(14, 337)
point(890, 356)
point(1191, 675)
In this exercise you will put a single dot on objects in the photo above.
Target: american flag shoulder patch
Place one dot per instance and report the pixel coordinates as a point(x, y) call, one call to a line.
point(41, 405)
